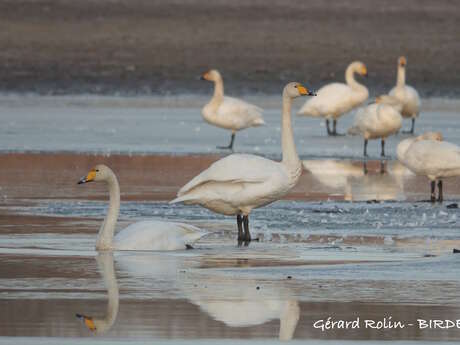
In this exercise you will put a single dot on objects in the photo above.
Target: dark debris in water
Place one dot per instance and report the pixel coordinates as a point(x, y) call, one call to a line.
point(454, 205)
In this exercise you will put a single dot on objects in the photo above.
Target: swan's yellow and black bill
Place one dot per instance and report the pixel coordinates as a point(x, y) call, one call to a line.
point(88, 321)
point(304, 91)
point(364, 71)
point(88, 178)
point(402, 61)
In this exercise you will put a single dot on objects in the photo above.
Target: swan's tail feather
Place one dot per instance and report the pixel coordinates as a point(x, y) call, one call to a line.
point(182, 198)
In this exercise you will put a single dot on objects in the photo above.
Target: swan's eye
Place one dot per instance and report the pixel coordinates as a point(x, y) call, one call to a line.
point(295, 86)
point(97, 170)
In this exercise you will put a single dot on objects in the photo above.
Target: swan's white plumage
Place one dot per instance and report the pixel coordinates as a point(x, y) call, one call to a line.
point(228, 112)
point(336, 99)
point(376, 121)
point(144, 235)
point(157, 235)
point(239, 183)
point(234, 114)
point(432, 158)
point(409, 98)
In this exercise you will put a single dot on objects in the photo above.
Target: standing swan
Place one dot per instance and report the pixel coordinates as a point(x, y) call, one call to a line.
point(337, 98)
point(239, 183)
point(378, 120)
point(428, 155)
point(406, 94)
point(144, 235)
point(228, 112)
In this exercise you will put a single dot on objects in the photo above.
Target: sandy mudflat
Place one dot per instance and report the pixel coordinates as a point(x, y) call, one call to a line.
point(159, 177)
point(161, 46)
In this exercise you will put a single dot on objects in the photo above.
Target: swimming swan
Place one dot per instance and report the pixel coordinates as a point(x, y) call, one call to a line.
point(428, 155)
point(378, 120)
point(228, 112)
point(238, 183)
point(335, 99)
point(144, 235)
point(406, 94)
point(106, 268)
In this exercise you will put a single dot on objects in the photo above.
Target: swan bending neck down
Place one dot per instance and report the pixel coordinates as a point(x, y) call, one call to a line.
point(144, 235)
point(427, 155)
point(106, 268)
point(228, 112)
point(238, 183)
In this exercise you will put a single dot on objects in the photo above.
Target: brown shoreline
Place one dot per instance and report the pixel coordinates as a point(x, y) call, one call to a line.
point(158, 178)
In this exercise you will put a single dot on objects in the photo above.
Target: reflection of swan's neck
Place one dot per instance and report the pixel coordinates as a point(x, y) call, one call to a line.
point(290, 157)
point(288, 320)
point(350, 78)
point(401, 81)
point(105, 237)
point(106, 267)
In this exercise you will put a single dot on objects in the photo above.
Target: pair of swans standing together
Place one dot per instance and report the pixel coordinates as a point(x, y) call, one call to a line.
point(234, 185)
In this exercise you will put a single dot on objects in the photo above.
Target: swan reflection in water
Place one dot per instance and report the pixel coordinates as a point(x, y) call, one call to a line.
point(213, 294)
point(349, 179)
point(244, 302)
point(102, 325)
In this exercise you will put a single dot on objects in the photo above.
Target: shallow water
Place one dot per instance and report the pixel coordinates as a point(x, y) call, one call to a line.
point(174, 125)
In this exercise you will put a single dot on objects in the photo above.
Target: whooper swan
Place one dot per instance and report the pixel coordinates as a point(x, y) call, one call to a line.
point(378, 121)
point(406, 94)
point(228, 112)
point(239, 183)
point(144, 235)
point(429, 156)
point(336, 99)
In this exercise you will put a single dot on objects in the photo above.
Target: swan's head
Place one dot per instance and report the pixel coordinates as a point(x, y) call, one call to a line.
point(211, 75)
point(99, 173)
point(87, 321)
point(359, 67)
point(402, 62)
point(295, 89)
point(437, 136)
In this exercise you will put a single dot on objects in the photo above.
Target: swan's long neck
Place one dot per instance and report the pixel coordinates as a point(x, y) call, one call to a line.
point(218, 96)
point(290, 157)
point(401, 80)
point(350, 79)
point(105, 237)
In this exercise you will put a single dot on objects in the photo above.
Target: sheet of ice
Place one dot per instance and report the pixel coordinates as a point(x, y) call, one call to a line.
point(165, 125)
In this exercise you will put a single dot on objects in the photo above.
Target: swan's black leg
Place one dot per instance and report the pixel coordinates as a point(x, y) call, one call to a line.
point(327, 127)
point(382, 154)
point(247, 235)
point(433, 191)
point(440, 196)
point(239, 222)
point(334, 129)
point(412, 128)
point(365, 148)
point(230, 146)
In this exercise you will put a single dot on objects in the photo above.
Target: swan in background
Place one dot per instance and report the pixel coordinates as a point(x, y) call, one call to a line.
point(228, 112)
point(106, 269)
point(144, 235)
point(428, 155)
point(336, 99)
point(406, 94)
point(238, 183)
point(378, 120)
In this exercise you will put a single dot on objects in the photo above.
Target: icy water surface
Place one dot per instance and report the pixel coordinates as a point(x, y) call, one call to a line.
point(175, 125)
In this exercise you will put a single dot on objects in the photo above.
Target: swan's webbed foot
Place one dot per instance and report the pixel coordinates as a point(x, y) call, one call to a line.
point(456, 251)
point(189, 246)
point(230, 146)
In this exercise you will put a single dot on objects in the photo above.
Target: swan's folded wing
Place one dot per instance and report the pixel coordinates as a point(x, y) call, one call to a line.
point(435, 155)
point(328, 97)
point(234, 168)
point(234, 107)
